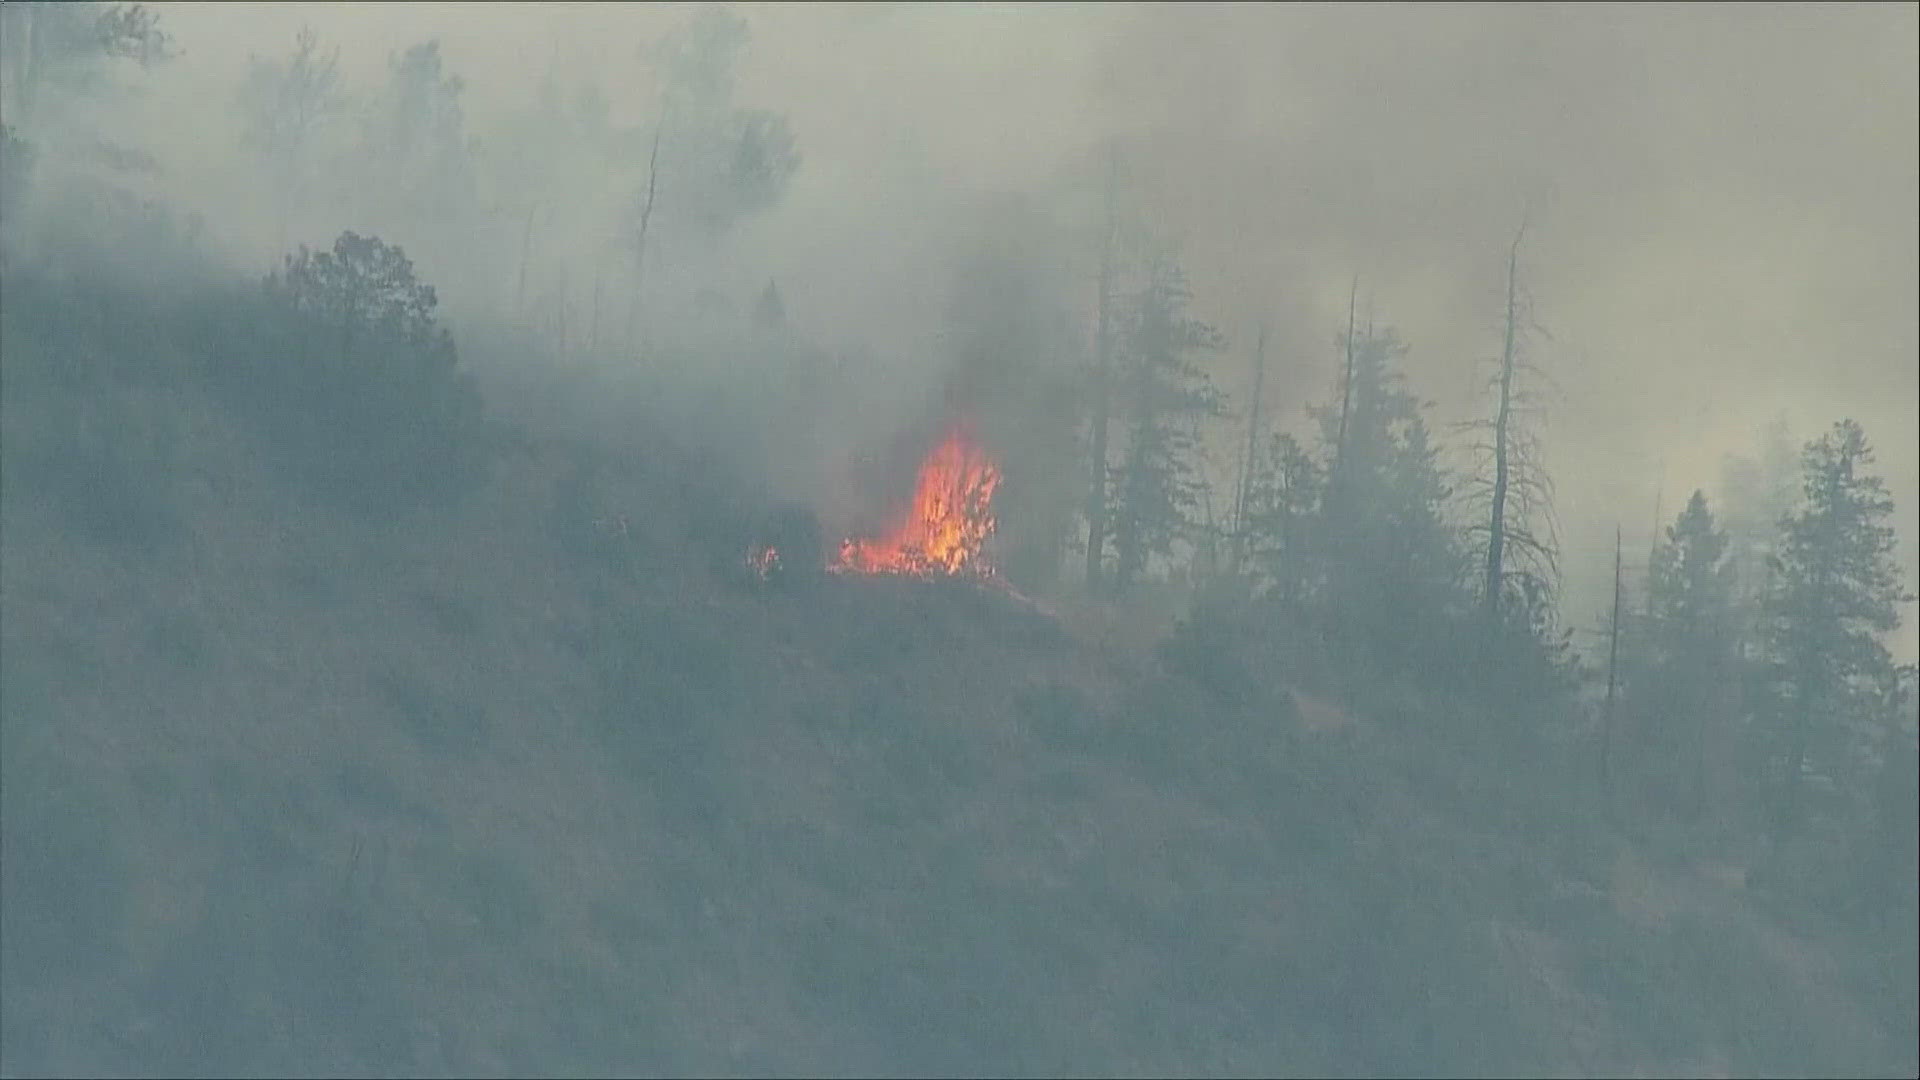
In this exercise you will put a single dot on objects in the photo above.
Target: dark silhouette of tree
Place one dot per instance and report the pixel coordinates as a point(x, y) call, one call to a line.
point(1836, 593)
point(1607, 705)
point(362, 286)
point(1515, 534)
point(1687, 653)
point(1689, 589)
point(1284, 497)
point(1390, 566)
point(359, 389)
point(1156, 490)
point(1238, 527)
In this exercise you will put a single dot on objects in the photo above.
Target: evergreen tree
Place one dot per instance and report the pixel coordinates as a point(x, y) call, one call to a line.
point(1156, 490)
point(1690, 587)
point(1683, 693)
point(358, 385)
point(1835, 595)
point(1284, 488)
point(362, 287)
point(1391, 565)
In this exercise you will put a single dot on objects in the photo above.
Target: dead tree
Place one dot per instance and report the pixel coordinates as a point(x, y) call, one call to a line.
point(1346, 392)
point(640, 245)
point(1497, 519)
point(1246, 461)
point(1518, 529)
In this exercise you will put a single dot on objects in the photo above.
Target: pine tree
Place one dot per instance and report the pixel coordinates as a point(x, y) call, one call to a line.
point(359, 382)
point(1690, 588)
point(1689, 650)
point(1156, 490)
point(1284, 490)
point(1391, 564)
point(1835, 595)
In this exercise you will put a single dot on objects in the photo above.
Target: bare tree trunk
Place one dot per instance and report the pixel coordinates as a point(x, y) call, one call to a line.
point(1613, 661)
point(1102, 392)
point(1346, 393)
point(1207, 554)
point(1342, 629)
point(646, 218)
point(1497, 518)
point(1246, 463)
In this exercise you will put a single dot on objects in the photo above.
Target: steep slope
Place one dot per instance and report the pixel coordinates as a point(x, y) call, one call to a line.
point(534, 784)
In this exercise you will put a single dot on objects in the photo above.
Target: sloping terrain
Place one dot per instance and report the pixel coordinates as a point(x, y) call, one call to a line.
point(533, 784)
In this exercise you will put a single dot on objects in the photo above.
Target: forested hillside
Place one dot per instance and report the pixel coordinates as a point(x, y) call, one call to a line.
point(397, 682)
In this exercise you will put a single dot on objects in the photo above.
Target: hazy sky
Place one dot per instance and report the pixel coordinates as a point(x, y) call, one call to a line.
point(1722, 199)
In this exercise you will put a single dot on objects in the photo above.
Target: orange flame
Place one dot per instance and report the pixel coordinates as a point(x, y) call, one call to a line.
point(948, 524)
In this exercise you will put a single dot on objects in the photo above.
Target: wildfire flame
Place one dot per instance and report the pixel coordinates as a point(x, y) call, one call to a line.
point(763, 561)
point(950, 520)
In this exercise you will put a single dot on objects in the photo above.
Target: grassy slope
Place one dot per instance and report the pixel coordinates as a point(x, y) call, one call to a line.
point(493, 790)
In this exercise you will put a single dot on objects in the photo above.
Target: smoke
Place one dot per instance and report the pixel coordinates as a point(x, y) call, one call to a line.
point(1721, 201)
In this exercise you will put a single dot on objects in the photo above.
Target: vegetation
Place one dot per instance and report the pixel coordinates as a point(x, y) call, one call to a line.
point(377, 701)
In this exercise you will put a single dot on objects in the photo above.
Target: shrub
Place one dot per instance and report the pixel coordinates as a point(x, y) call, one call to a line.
point(355, 387)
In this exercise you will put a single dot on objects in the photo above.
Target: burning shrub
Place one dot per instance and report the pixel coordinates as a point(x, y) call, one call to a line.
point(787, 552)
point(948, 524)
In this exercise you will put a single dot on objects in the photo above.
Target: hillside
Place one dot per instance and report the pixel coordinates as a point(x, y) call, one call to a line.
point(624, 539)
point(506, 787)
